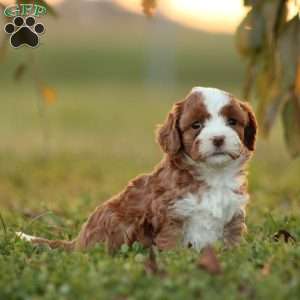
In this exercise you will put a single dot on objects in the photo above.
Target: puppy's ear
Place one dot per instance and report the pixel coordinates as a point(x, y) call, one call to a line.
point(251, 127)
point(168, 135)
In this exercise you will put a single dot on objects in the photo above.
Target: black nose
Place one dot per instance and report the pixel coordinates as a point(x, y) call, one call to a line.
point(218, 141)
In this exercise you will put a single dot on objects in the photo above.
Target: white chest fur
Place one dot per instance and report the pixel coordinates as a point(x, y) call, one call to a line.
point(206, 212)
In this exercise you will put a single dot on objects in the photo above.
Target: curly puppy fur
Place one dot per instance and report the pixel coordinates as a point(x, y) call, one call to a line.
point(195, 195)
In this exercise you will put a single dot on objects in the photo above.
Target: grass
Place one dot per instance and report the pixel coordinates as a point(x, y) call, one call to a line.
point(101, 135)
point(93, 153)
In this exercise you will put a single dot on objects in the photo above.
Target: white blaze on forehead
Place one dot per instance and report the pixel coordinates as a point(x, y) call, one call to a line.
point(214, 99)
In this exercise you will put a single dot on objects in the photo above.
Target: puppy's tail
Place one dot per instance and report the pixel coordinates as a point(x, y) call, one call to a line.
point(53, 244)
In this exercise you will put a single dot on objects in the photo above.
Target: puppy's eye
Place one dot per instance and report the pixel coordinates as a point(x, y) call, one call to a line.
point(197, 125)
point(231, 122)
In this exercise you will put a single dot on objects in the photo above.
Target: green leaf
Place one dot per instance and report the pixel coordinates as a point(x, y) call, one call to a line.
point(274, 13)
point(272, 109)
point(266, 90)
point(291, 125)
point(250, 34)
point(288, 53)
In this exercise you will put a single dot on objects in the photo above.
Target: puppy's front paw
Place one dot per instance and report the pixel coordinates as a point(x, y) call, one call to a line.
point(234, 230)
point(233, 236)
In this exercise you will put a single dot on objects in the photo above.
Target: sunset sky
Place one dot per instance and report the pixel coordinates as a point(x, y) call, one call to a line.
point(209, 15)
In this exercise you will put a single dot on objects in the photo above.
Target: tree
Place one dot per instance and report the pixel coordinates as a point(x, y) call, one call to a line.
point(270, 44)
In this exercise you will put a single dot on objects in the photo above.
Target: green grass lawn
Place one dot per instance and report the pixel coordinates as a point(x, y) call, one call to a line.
point(93, 150)
point(100, 135)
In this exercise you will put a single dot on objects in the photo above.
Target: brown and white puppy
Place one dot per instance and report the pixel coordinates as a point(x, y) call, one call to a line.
point(197, 193)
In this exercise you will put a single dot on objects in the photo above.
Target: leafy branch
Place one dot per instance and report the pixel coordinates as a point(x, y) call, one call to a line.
point(269, 42)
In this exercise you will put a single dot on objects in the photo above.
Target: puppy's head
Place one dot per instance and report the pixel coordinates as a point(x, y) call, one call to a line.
point(209, 126)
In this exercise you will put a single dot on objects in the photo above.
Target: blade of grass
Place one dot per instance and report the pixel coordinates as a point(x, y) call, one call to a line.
point(3, 224)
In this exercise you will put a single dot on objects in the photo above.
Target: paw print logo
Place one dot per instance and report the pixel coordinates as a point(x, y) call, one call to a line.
point(24, 31)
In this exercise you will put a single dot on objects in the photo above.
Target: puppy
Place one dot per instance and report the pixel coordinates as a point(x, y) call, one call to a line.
point(196, 195)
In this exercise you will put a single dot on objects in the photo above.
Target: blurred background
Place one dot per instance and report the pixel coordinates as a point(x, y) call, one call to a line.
point(111, 75)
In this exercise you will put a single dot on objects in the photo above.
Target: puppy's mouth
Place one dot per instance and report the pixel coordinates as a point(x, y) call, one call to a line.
point(219, 153)
point(224, 153)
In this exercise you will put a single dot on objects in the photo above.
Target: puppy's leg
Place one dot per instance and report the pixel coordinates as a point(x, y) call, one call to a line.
point(234, 229)
point(103, 226)
point(169, 236)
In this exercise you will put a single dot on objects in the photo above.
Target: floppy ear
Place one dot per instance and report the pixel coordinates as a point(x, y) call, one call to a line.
point(168, 135)
point(251, 127)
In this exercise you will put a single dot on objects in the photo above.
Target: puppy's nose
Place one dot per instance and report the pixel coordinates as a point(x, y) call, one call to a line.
point(218, 141)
